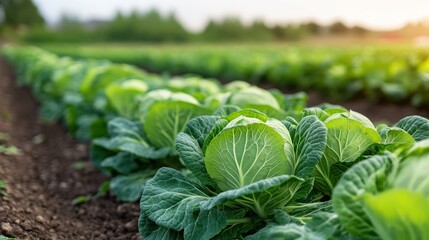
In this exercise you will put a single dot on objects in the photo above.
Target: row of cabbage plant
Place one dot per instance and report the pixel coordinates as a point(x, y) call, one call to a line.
point(236, 161)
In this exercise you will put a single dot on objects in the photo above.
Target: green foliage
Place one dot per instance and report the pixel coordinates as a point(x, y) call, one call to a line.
point(234, 169)
point(252, 176)
point(149, 26)
point(103, 189)
point(6, 238)
point(7, 149)
point(81, 200)
point(133, 117)
point(379, 73)
point(385, 197)
point(18, 13)
point(416, 126)
point(80, 165)
point(123, 97)
point(3, 188)
point(347, 140)
point(242, 162)
point(164, 114)
point(152, 26)
point(129, 187)
point(407, 216)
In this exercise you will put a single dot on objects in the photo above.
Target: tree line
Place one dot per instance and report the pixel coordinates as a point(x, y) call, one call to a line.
point(22, 19)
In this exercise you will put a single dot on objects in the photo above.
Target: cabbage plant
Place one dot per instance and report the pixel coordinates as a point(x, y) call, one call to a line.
point(380, 197)
point(97, 79)
point(135, 149)
point(197, 87)
point(164, 114)
point(244, 96)
point(352, 137)
point(350, 134)
point(100, 77)
point(387, 197)
point(242, 167)
point(123, 97)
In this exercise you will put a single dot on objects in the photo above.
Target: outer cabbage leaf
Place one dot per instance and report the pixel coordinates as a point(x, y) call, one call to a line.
point(189, 144)
point(163, 95)
point(226, 110)
point(127, 136)
point(293, 232)
point(173, 201)
point(236, 85)
point(164, 120)
point(347, 140)
point(416, 126)
point(369, 176)
point(150, 231)
point(253, 96)
point(129, 188)
point(98, 78)
point(192, 157)
point(395, 139)
point(199, 127)
point(90, 127)
point(197, 87)
point(262, 197)
point(318, 112)
point(309, 142)
point(122, 163)
point(398, 214)
point(412, 173)
point(295, 102)
point(123, 97)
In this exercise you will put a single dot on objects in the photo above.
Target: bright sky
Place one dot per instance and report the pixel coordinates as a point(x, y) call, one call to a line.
point(194, 14)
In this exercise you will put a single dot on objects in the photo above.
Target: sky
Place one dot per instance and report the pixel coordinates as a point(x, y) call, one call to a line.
point(194, 14)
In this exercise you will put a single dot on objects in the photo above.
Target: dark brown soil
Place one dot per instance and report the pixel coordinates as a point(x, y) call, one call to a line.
point(41, 182)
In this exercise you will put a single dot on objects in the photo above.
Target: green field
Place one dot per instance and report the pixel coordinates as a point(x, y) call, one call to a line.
point(235, 161)
point(396, 73)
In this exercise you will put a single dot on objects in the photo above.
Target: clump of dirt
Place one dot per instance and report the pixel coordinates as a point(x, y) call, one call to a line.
point(44, 179)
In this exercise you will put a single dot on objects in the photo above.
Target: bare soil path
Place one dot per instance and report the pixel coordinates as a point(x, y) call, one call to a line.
point(41, 182)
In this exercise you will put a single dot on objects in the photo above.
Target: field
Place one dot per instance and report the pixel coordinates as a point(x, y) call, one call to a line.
point(378, 72)
point(215, 158)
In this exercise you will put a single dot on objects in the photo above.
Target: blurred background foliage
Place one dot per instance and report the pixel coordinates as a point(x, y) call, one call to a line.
point(20, 20)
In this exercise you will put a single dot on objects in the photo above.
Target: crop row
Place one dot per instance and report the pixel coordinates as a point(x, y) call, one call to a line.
point(396, 74)
point(236, 161)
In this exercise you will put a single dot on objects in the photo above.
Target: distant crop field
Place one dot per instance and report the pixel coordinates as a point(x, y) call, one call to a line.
point(382, 71)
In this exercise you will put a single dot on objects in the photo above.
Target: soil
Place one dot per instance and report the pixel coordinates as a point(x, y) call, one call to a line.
point(42, 181)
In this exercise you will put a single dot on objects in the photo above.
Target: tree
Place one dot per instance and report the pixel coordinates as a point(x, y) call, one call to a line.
point(259, 31)
point(359, 31)
point(17, 13)
point(69, 21)
point(228, 29)
point(338, 28)
point(312, 27)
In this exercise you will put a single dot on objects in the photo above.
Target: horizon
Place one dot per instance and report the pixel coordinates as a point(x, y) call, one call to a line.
point(194, 15)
